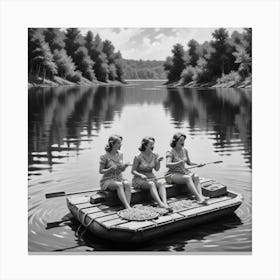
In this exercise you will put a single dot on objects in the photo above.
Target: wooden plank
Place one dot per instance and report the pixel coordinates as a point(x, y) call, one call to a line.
point(85, 205)
point(110, 223)
point(191, 212)
point(135, 225)
point(96, 215)
point(167, 218)
point(107, 218)
point(90, 210)
point(218, 199)
point(78, 199)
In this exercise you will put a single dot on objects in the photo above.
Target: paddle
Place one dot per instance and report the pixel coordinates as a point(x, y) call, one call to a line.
point(57, 194)
point(203, 164)
point(192, 166)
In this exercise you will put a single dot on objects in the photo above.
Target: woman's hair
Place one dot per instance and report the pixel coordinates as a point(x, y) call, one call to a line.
point(145, 142)
point(112, 141)
point(175, 139)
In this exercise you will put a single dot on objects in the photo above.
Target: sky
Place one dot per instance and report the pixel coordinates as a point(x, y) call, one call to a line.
point(151, 43)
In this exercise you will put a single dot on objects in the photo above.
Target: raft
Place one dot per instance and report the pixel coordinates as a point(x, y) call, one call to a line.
point(99, 212)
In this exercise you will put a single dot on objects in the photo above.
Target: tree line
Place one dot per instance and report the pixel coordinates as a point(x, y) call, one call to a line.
point(143, 69)
point(225, 58)
point(72, 56)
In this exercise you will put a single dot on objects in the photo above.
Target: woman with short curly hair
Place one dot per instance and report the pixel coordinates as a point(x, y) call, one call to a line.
point(142, 169)
point(112, 166)
point(177, 173)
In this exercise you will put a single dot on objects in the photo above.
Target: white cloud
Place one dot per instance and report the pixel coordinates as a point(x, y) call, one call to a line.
point(147, 43)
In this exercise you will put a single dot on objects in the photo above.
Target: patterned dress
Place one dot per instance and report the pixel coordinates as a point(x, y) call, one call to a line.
point(144, 167)
point(178, 169)
point(115, 175)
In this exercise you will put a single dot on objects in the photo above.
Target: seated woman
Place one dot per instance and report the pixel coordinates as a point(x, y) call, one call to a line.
point(142, 169)
point(177, 173)
point(112, 166)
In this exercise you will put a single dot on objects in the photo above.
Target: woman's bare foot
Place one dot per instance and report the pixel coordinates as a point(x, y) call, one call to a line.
point(202, 201)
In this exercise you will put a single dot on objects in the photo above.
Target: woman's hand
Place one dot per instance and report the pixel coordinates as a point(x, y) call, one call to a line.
point(180, 162)
point(144, 177)
point(114, 167)
point(159, 159)
point(125, 165)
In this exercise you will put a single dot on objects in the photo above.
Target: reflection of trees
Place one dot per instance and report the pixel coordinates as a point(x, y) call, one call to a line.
point(227, 112)
point(107, 102)
point(58, 116)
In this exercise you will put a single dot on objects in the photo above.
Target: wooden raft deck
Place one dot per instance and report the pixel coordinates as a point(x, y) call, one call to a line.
point(98, 213)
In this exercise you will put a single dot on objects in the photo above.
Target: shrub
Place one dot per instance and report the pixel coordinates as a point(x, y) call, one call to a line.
point(188, 74)
point(74, 77)
point(201, 75)
point(231, 77)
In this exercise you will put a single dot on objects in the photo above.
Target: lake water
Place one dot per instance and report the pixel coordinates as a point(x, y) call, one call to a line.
point(69, 127)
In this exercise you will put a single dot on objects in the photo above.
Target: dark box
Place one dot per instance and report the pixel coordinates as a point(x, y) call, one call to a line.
point(214, 190)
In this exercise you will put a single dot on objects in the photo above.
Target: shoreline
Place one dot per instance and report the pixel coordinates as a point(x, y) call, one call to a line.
point(230, 84)
point(58, 81)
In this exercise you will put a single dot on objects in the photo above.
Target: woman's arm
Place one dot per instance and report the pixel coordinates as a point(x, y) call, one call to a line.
point(158, 159)
point(103, 170)
point(188, 161)
point(102, 166)
point(170, 163)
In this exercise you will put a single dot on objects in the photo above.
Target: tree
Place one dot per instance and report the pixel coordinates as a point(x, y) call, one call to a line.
point(247, 41)
point(193, 52)
point(89, 41)
point(221, 60)
point(112, 72)
point(108, 49)
point(119, 66)
point(73, 41)
point(84, 63)
point(176, 64)
point(41, 57)
point(65, 64)
point(55, 38)
point(101, 68)
point(244, 60)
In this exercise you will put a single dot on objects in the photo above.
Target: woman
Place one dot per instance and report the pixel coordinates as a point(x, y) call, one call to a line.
point(112, 166)
point(142, 169)
point(176, 159)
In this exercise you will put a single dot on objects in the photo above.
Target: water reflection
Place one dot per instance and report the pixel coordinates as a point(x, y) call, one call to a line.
point(225, 115)
point(67, 129)
point(58, 118)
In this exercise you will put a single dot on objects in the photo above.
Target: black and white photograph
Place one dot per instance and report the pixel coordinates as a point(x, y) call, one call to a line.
point(139, 139)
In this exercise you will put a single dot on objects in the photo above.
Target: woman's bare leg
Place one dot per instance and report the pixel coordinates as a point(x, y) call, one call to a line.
point(196, 182)
point(187, 179)
point(118, 186)
point(150, 185)
point(162, 192)
point(127, 191)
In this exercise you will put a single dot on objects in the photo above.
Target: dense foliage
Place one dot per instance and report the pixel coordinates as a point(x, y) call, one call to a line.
point(143, 69)
point(225, 58)
point(71, 55)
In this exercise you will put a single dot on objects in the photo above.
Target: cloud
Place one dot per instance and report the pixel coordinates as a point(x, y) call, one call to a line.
point(151, 43)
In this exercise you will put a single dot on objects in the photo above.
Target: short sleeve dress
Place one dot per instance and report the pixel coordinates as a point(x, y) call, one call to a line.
point(179, 169)
point(144, 167)
point(116, 175)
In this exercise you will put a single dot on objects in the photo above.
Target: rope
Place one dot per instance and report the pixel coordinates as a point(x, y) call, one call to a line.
point(83, 224)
